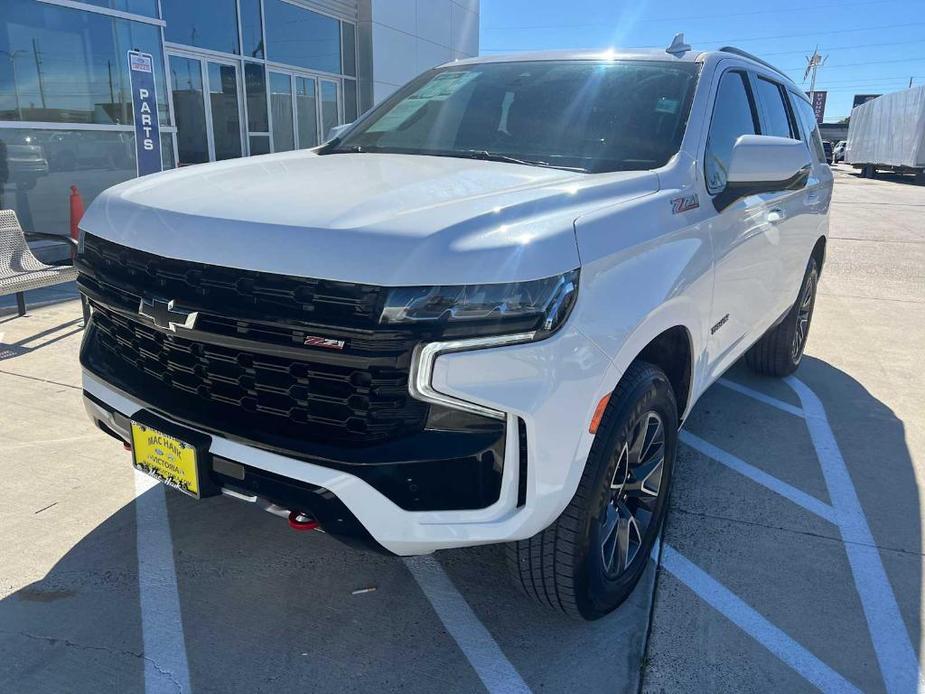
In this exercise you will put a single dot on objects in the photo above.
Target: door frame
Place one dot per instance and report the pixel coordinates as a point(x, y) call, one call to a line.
point(204, 60)
point(317, 78)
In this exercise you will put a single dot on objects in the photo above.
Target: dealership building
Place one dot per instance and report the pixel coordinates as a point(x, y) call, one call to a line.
point(231, 78)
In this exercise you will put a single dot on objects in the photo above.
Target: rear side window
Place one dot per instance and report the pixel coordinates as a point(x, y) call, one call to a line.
point(807, 119)
point(733, 115)
point(776, 113)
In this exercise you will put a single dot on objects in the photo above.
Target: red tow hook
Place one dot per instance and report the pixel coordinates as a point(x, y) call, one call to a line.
point(302, 522)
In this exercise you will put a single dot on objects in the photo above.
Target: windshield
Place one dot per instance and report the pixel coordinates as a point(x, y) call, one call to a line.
point(589, 116)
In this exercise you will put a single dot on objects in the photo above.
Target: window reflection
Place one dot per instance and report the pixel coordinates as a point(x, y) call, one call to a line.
point(189, 110)
point(251, 28)
point(329, 115)
point(38, 167)
point(281, 103)
point(212, 25)
point(307, 110)
point(226, 119)
point(297, 36)
point(70, 66)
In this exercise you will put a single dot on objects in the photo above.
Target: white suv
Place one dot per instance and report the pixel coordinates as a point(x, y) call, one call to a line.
point(478, 315)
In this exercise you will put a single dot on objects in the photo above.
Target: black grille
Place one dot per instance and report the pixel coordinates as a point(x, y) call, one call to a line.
point(213, 289)
point(249, 369)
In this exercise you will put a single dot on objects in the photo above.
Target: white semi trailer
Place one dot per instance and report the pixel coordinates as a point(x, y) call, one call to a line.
point(888, 134)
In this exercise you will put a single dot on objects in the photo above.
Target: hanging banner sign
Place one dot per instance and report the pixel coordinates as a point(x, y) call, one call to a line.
point(818, 99)
point(144, 101)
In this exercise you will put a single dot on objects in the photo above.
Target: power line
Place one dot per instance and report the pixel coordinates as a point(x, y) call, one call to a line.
point(756, 38)
point(776, 10)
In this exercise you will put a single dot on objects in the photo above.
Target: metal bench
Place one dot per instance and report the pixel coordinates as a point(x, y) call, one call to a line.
point(21, 271)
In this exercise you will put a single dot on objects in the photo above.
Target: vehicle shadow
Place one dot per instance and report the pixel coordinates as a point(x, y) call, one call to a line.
point(783, 561)
point(268, 609)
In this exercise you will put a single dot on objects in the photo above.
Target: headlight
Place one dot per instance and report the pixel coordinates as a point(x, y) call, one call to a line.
point(538, 306)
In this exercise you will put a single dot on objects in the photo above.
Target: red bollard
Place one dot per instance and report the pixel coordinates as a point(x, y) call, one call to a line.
point(77, 213)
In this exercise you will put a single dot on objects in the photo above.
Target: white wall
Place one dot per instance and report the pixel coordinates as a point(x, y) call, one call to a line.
point(411, 36)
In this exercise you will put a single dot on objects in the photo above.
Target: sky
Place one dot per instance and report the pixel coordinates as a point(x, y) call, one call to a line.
point(873, 46)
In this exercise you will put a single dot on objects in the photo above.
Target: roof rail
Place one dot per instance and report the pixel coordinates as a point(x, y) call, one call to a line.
point(745, 54)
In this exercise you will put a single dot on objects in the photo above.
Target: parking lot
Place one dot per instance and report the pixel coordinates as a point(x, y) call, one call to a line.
point(791, 559)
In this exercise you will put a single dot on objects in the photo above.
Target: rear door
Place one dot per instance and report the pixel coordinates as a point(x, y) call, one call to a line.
point(788, 222)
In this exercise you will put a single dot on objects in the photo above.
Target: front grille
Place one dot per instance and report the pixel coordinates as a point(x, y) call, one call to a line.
point(250, 370)
point(213, 289)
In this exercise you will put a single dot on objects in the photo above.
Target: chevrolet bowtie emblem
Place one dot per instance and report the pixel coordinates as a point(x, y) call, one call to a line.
point(165, 316)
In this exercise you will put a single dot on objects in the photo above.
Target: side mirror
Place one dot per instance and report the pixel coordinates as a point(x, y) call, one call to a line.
point(764, 164)
point(337, 131)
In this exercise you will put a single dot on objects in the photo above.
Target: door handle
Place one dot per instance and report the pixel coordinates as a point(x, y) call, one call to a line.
point(775, 215)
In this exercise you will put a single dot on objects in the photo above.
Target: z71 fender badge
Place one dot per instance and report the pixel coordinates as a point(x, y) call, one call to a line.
point(684, 204)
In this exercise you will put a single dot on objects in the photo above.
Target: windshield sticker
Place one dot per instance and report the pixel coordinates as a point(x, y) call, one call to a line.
point(440, 88)
point(666, 105)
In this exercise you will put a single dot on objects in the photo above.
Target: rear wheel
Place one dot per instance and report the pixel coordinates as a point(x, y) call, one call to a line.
point(588, 561)
point(780, 350)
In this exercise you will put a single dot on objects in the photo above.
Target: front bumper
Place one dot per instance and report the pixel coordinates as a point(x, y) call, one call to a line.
point(548, 391)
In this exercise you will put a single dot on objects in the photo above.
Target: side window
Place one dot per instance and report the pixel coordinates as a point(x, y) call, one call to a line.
point(775, 110)
point(807, 119)
point(733, 115)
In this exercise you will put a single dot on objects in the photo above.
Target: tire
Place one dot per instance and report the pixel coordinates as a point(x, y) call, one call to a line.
point(780, 350)
point(565, 566)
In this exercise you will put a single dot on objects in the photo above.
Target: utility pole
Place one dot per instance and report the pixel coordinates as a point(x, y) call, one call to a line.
point(813, 63)
point(910, 82)
point(11, 56)
point(38, 69)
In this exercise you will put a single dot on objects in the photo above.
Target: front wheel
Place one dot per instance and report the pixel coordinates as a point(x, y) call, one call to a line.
point(588, 561)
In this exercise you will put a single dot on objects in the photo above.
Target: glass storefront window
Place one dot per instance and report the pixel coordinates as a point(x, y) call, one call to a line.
point(63, 65)
point(281, 104)
point(260, 144)
point(255, 85)
point(144, 7)
point(212, 25)
point(297, 36)
point(350, 101)
point(329, 115)
point(226, 119)
point(38, 167)
point(251, 28)
point(189, 110)
point(307, 110)
point(350, 49)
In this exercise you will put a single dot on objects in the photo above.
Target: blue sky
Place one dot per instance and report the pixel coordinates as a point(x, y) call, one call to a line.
point(874, 46)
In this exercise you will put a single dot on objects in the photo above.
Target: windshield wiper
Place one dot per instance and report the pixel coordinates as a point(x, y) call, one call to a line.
point(485, 155)
point(348, 149)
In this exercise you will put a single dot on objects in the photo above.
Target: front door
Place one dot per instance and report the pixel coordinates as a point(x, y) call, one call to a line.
point(207, 104)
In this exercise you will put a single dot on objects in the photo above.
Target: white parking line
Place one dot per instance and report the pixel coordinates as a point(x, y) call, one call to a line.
point(761, 397)
point(166, 669)
point(481, 650)
point(801, 498)
point(897, 658)
point(753, 623)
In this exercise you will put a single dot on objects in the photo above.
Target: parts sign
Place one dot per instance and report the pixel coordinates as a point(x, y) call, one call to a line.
point(144, 101)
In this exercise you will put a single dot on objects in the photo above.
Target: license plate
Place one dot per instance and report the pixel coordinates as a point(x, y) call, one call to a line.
point(165, 458)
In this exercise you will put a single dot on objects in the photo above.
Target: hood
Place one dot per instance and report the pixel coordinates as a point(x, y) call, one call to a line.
point(386, 219)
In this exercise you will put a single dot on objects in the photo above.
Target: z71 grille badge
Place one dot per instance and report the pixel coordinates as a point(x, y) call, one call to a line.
point(323, 342)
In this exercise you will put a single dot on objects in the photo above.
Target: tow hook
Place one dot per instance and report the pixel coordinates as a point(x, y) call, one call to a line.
point(302, 521)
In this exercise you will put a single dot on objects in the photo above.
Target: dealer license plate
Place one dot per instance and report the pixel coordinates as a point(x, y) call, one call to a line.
point(165, 458)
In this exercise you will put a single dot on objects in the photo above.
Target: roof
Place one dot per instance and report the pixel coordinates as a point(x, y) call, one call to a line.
point(658, 54)
point(633, 54)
